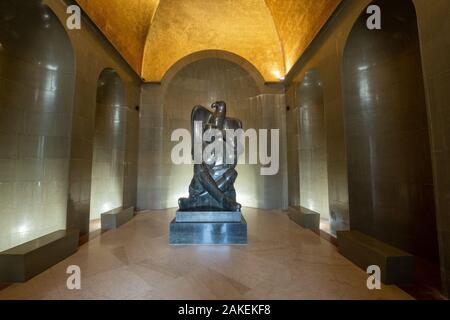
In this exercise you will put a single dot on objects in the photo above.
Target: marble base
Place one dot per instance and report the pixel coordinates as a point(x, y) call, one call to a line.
point(208, 233)
point(397, 266)
point(208, 216)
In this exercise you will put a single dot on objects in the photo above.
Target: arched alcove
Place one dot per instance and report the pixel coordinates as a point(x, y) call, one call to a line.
point(313, 146)
point(214, 54)
point(204, 82)
point(109, 145)
point(36, 99)
point(389, 163)
point(201, 83)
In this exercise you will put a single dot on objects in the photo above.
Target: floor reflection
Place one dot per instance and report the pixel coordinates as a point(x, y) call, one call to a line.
point(326, 227)
point(282, 261)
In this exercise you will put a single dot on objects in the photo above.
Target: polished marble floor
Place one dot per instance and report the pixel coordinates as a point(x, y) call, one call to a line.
point(282, 261)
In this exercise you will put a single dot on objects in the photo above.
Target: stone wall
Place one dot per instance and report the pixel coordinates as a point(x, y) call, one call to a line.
point(326, 56)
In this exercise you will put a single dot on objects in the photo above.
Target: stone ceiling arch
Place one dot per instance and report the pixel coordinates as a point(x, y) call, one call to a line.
point(152, 35)
point(181, 27)
point(219, 54)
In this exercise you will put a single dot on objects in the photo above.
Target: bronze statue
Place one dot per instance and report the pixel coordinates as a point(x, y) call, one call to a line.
point(212, 187)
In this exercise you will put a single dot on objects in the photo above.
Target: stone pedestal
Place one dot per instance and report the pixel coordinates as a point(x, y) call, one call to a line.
point(21, 263)
point(306, 218)
point(397, 266)
point(115, 218)
point(208, 228)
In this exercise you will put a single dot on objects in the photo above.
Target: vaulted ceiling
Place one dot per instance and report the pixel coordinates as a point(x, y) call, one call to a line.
point(152, 35)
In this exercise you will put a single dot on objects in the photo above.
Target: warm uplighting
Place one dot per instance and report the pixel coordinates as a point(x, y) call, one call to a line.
point(23, 228)
point(267, 35)
point(106, 207)
point(278, 75)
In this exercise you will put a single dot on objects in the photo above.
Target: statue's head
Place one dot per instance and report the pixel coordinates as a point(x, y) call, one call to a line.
point(220, 113)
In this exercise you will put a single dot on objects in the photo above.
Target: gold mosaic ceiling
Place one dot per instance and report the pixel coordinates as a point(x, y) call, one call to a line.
point(152, 35)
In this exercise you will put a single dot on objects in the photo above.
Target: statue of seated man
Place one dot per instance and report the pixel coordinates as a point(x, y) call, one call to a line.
point(212, 187)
